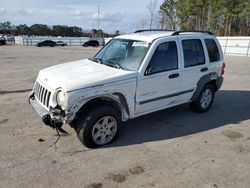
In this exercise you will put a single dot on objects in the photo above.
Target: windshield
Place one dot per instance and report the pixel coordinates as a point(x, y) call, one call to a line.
point(123, 53)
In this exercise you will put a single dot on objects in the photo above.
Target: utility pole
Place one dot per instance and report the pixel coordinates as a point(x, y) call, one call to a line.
point(98, 19)
point(92, 31)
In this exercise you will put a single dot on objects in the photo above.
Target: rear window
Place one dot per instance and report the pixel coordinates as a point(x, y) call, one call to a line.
point(193, 52)
point(212, 49)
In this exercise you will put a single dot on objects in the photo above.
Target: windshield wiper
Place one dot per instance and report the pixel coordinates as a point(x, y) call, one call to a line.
point(97, 60)
point(110, 62)
point(113, 62)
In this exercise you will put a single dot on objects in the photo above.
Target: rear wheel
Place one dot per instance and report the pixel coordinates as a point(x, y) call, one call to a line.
point(205, 99)
point(99, 127)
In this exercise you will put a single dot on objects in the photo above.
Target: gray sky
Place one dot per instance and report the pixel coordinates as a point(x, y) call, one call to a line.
point(123, 15)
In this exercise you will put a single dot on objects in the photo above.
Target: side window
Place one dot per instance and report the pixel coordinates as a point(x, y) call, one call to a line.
point(165, 58)
point(213, 51)
point(193, 52)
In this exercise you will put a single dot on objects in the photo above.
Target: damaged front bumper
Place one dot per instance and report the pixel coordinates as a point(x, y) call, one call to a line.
point(53, 118)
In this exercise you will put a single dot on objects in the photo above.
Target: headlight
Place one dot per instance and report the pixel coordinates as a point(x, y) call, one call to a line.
point(60, 98)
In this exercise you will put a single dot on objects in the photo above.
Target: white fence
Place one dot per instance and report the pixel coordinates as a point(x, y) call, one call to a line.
point(71, 41)
point(230, 45)
point(235, 45)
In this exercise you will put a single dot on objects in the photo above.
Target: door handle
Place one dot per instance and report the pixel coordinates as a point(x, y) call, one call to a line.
point(172, 76)
point(204, 69)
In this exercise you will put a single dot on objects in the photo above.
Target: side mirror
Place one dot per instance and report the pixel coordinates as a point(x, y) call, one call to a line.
point(148, 70)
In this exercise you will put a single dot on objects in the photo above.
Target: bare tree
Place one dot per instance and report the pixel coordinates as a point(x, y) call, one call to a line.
point(168, 14)
point(142, 23)
point(152, 8)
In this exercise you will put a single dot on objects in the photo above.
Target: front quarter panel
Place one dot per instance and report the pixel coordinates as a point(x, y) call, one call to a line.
point(77, 99)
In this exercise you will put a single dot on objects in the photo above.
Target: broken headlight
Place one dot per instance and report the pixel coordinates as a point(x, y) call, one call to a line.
point(60, 98)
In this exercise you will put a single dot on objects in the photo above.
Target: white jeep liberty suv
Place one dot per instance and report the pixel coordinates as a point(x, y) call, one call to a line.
point(132, 75)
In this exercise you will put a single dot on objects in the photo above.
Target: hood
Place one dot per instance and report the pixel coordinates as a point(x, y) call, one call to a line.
point(81, 74)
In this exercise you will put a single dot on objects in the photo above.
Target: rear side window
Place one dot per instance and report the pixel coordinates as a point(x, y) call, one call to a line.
point(193, 52)
point(165, 58)
point(213, 50)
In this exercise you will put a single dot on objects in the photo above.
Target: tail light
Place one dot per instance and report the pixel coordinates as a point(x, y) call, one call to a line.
point(223, 69)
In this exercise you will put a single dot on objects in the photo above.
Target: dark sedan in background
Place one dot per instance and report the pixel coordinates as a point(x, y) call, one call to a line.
point(93, 43)
point(46, 43)
point(2, 41)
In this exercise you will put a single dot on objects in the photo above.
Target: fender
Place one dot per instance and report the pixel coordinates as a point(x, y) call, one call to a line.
point(206, 79)
point(117, 98)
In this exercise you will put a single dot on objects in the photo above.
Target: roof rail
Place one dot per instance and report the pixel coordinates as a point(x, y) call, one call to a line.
point(192, 31)
point(145, 30)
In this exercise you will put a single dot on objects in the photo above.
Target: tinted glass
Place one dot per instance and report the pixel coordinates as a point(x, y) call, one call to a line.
point(165, 58)
point(213, 50)
point(193, 52)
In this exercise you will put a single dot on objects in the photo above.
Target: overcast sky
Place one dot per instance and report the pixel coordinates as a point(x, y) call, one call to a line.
point(123, 15)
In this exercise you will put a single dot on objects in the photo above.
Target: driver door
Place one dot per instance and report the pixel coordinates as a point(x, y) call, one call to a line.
point(159, 85)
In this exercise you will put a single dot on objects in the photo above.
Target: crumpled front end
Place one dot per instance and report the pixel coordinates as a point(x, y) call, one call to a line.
point(41, 100)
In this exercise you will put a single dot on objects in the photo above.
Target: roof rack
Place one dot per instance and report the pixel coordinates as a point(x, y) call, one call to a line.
point(192, 31)
point(145, 30)
point(175, 32)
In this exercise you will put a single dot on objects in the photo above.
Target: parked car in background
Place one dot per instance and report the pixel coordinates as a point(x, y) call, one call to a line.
point(2, 41)
point(46, 43)
point(61, 43)
point(93, 43)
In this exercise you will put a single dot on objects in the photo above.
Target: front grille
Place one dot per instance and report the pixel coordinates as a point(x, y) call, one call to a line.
point(42, 94)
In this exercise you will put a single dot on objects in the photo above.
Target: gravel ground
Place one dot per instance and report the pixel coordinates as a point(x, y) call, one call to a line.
point(170, 148)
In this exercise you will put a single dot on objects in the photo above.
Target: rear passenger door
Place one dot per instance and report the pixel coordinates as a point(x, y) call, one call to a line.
point(194, 64)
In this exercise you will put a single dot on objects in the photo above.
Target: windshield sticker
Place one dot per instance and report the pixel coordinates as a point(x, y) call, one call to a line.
point(143, 44)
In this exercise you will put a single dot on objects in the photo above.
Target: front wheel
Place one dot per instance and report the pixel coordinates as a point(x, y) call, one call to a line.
point(205, 99)
point(99, 127)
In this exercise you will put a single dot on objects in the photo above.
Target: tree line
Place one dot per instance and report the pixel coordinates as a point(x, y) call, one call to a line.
point(223, 17)
point(45, 30)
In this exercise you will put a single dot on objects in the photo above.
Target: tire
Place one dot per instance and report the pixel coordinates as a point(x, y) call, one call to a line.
point(93, 124)
point(205, 100)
